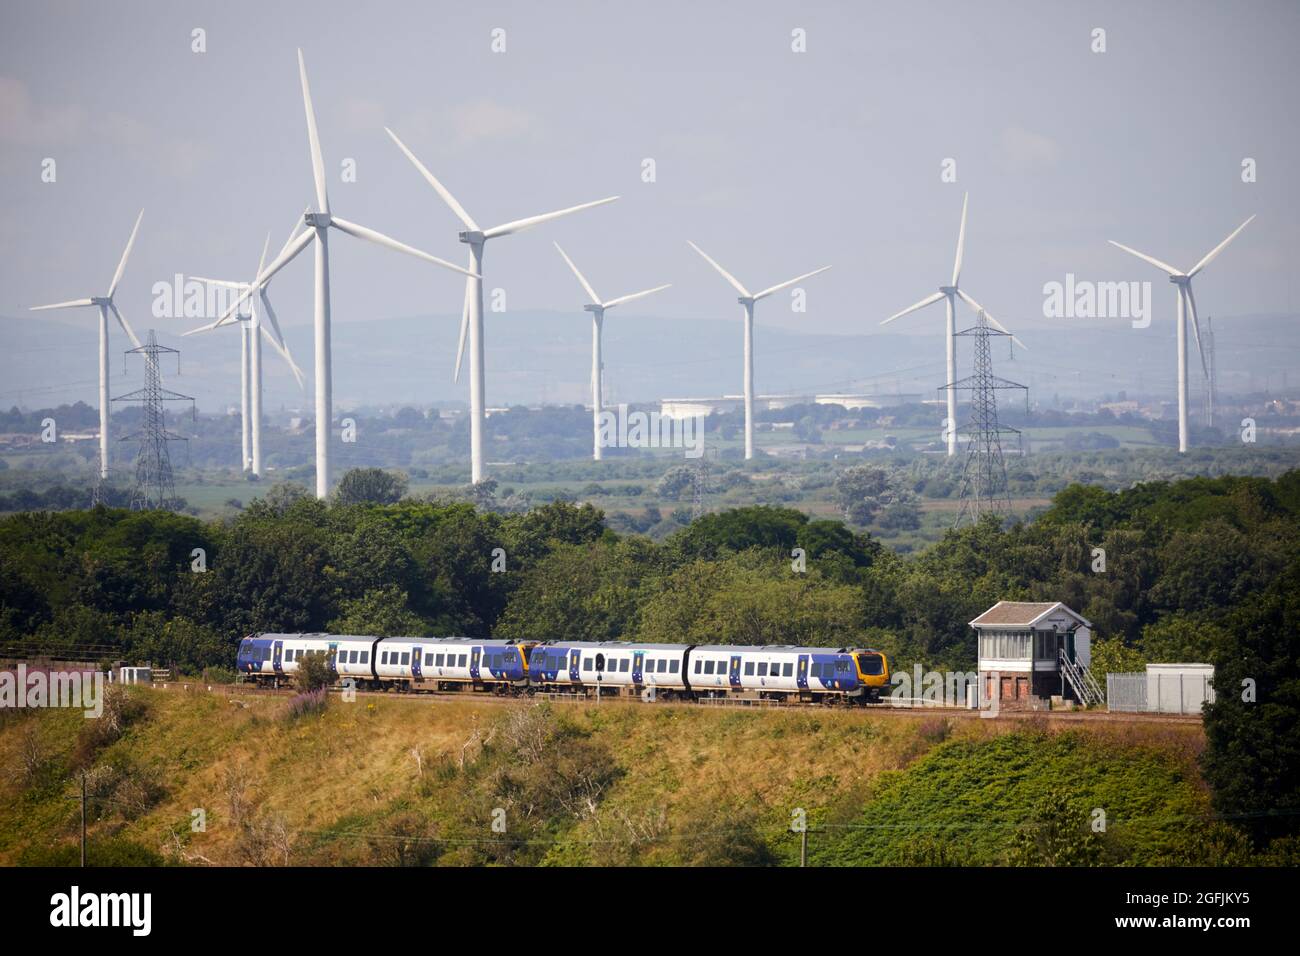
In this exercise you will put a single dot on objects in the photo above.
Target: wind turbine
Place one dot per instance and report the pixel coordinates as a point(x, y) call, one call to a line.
point(320, 222)
point(951, 293)
point(250, 355)
point(1186, 302)
point(747, 299)
point(472, 313)
point(597, 309)
point(105, 304)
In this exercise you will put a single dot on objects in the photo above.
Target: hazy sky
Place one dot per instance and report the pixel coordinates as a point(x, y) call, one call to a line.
point(775, 162)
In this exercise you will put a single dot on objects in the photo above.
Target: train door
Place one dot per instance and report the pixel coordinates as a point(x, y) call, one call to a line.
point(331, 658)
point(416, 661)
point(802, 678)
point(575, 658)
point(474, 654)
point(733, 673)
point(638, 657)
point(277, 657)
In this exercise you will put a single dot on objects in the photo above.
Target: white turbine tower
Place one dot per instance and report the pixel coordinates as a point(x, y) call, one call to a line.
point(250, 355)
point(472, 313)
point(747, 300)
point(597, 309)
point(1186, 302)
point(105, 304)
point(951, 293)
point(320, 222)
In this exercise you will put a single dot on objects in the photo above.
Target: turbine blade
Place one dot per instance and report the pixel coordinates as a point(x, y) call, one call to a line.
point(635, 295)
point(1196, 327)
point(785, 285)
point(277, 340)
point(126, 254)
point(1142, 255)
point(362, 232)
point(130, 332)
point(261, 263)
point(438, 187)
point(1217, 249)
point(70, 304)
point(224, 283)
point(313, 139)
point(519, 225)
point(464, 328)
point(282, 260)
point(735, 283)
point(992, 321)
point(961, 241)
point(595, 298)
point(928, 300)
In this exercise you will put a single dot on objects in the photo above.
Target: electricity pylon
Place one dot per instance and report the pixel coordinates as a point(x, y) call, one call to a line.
point(984, 479)
point(155, 486)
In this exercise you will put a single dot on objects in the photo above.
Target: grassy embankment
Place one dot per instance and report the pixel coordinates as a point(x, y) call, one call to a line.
point(409, 781)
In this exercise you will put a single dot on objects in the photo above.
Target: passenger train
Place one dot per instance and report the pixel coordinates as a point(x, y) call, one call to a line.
point(668, 671)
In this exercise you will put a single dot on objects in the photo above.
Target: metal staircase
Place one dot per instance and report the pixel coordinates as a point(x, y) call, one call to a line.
point(1081, 681)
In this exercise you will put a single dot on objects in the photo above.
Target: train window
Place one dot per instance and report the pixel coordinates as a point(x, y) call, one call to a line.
point(352, 656)
point(623, 667)
point(762, 668)
point(586, 665)
point(438, 660)
point(749, 668)
point(266, 653)
point(461, 661)
point(663, 665)
point(383, 658)
point(673, 667)
point(787, 669)
point(406, 658)
point(708, 667)
point(698, 665)
point(365, 657)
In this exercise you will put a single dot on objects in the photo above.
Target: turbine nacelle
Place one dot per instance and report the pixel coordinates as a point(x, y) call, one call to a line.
point(592, 307)
point(948, 289)
point(746, 299)
point(317, 220)
point(473, 237)
point(1183, 280)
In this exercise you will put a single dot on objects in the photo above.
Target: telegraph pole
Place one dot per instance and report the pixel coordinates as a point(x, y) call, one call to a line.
point(83, 818)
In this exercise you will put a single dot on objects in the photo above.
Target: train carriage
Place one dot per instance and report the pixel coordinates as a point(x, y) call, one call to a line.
point(777, 672)
point(274, 658)
point(591, 667)
point(451, 663)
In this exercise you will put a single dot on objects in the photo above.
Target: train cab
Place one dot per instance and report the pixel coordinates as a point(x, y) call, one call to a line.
point(873, 672)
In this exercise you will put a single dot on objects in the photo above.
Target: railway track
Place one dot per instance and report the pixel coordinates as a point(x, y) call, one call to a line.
point(965, 713)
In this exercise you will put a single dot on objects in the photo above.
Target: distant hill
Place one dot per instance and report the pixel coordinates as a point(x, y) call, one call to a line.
point(544, 357)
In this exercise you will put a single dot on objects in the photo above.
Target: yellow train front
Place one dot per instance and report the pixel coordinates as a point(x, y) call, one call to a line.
point(873, 673)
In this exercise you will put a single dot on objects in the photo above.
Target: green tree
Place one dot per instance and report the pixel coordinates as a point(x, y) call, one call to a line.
point(370, 486)
point(381, 612)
